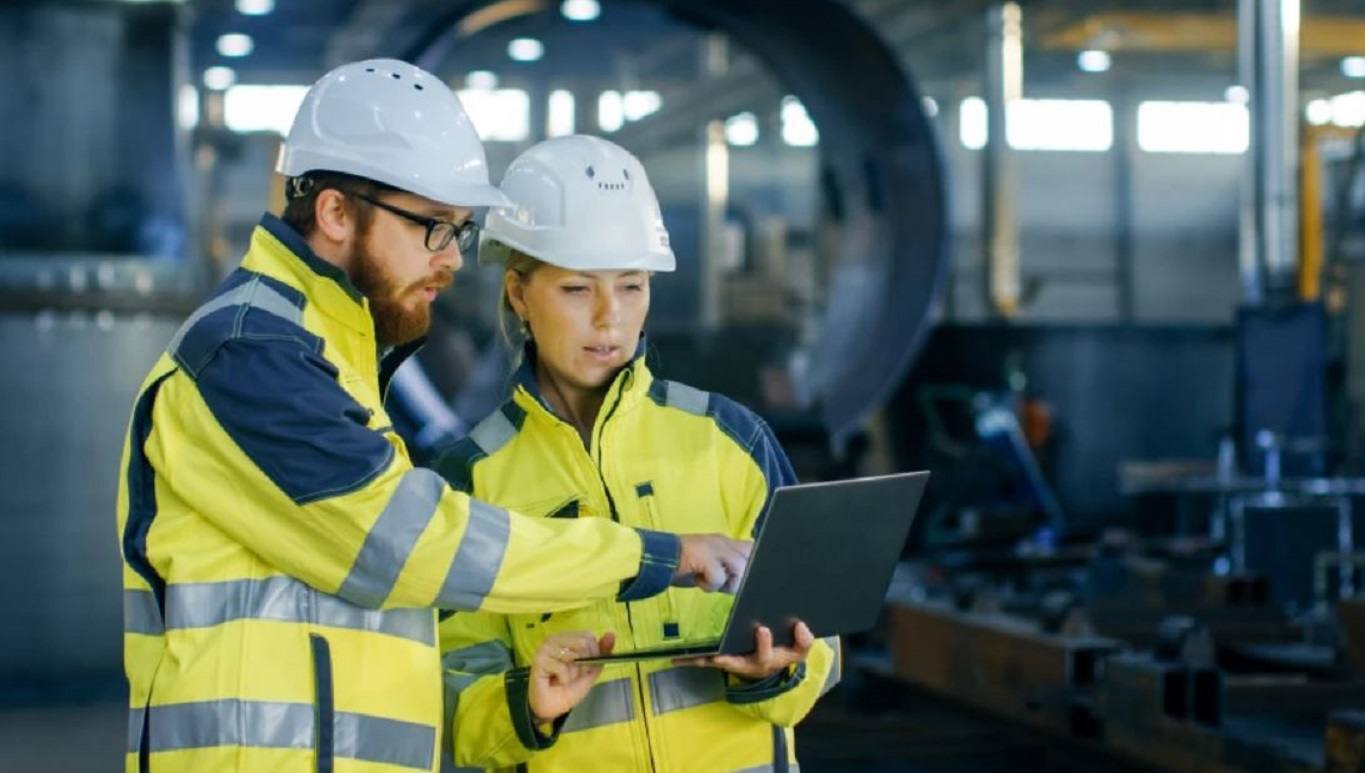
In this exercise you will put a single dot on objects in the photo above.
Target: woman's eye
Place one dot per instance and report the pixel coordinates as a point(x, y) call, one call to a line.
point(633, 288)
point(575, 289)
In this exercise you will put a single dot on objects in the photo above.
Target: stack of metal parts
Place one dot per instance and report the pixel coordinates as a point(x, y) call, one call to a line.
point(1138, 651)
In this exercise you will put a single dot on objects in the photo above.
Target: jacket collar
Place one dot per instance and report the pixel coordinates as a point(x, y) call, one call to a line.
point(630, 385)
point(281, 252)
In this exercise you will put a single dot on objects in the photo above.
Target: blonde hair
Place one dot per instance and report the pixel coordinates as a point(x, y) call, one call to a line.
point(510, 326)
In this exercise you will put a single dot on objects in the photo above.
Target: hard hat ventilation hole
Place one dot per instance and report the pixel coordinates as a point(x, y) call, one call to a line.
point(417, 86)
point(625, 174)
point(395, 76)
point(591, 173)
point(369, 69)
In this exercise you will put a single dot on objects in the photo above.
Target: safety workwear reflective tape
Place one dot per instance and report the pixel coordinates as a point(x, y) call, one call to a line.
point(836, 667)
point(254, 293)
point(205, 604)
point(686, 398)
point(493, 432)
point(793, 768)
point(682, 688)
point(478, 558)
point(392, 537)
point(606, 704)
point(489, 657)
point(271, 725)
point(140, 613)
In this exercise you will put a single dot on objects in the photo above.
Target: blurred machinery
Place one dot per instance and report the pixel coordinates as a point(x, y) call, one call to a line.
point(121, 216)
point(1231, 637)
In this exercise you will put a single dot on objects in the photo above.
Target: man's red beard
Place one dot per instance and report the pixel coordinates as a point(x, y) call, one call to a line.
point(395, 323)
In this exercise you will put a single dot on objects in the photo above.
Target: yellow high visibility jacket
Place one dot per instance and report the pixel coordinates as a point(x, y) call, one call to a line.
point(662, 456)
point(283, 560)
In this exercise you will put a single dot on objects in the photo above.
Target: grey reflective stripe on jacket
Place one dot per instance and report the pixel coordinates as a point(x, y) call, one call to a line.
point(274, 725)
point(606, 704)
point(675, 689)
point(206, 604)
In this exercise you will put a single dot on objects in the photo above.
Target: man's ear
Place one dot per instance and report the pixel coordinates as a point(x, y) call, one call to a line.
point(334, 217)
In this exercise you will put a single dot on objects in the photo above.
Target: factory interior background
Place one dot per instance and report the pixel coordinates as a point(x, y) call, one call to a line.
point(1099, 266)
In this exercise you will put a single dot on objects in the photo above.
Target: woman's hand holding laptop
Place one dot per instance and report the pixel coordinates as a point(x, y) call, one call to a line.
point(765, 660)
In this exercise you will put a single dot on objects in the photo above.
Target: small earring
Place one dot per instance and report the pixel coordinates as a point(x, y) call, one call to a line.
point(525, 328)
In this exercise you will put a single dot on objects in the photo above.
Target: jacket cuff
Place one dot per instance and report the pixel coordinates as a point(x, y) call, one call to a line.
point(518, 681)
point(741, 691)
point(658, 563)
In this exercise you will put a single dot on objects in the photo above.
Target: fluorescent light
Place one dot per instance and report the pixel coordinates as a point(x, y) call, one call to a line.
point(481, 79)
point(638, 104)
point(1094, 60)
point(219, 78)
point(498, 114)
point(1318, 112)
point(741, 129)
point(1237, 94)
point(580, 10)
point(797, 128)
point(611, 113)
point(235, 44)
point(1353, 67)
point(559, 117)
point(525, 49)
point(255, 108)
point(1193, 127)
point(255, 7)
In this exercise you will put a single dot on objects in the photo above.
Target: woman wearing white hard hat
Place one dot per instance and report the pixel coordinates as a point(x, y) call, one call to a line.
point(283, 558)
point(590, 434)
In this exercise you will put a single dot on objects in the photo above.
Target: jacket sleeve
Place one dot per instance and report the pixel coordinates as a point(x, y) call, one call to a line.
point(488, 715)
point(261, 440)
point(785, 698)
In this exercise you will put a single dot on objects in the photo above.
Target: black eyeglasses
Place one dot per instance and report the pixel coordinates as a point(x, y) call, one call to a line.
point(439, 232)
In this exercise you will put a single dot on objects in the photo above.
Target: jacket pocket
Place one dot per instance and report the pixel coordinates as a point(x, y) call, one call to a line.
point(324, 713)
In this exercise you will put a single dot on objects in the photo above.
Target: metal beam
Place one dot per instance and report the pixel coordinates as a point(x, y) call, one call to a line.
point(1269, 67)
point(1322, 36)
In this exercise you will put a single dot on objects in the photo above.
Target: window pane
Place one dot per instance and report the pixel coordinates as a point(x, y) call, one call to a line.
point(1193, 127)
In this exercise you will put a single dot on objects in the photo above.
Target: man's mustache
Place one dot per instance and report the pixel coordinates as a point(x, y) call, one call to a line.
point(440, 280)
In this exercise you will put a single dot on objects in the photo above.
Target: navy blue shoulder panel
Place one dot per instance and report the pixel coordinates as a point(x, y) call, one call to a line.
point(456, 462)
point(279, 401)
point(741, 425)
point(142, 493)
point(658, 391)
point(247, 304)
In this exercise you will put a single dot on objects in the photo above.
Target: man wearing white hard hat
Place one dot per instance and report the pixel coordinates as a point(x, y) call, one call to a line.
point(283, 560)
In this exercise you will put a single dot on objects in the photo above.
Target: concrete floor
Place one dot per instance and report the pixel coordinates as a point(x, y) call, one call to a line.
point(87, 738)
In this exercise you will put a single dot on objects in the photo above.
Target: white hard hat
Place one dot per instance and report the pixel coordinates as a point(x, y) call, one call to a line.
point(580, 203)
point(394, 123)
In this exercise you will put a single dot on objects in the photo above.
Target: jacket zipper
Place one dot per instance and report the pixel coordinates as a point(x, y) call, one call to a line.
point(596, 463)
point(630, 618)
